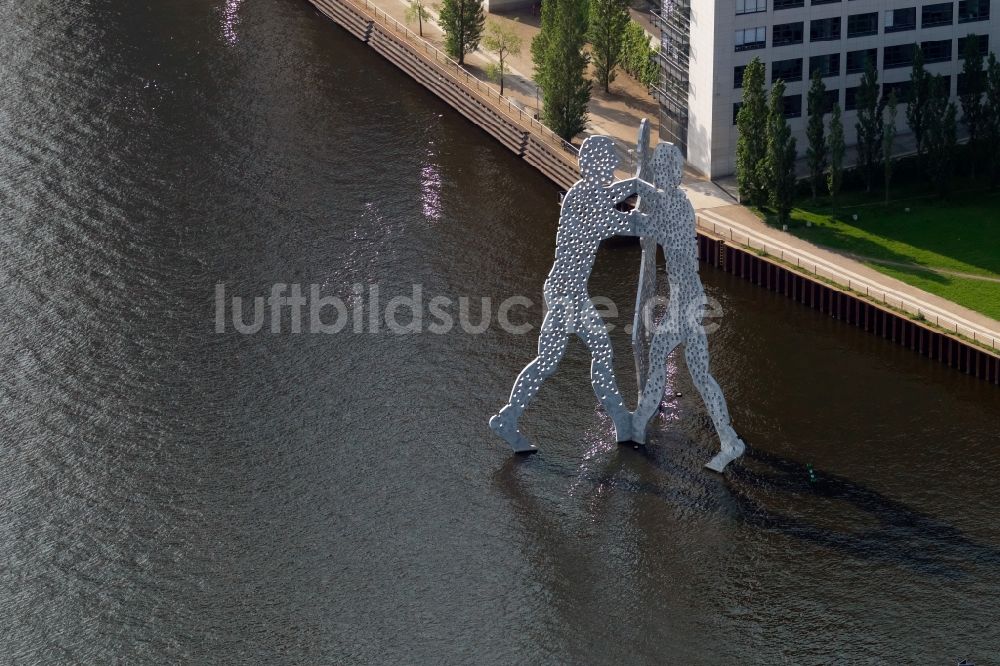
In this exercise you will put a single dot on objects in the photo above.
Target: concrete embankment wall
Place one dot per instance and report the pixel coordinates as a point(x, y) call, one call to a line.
point(521, 134)
point(851, 309)
point(506, 123)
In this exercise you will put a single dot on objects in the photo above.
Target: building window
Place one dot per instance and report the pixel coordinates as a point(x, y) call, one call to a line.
point(784, 34)
point(973, 10)
point(822, 2)
point(936, 51)
point(983, 42)
point(751, 38)
point(792, 105)
point(786, 70)
point(856, 60)
point(862, 25)
point(787, 4)
point(900, 20)
point(738, 76)
point(902, 90)
point(830, 97)
point(963, 83)
point(934, 15)
point(736, 110)
point(824, 30)
point(898, 56)
point(851, 98)
point(827, 65)
point(750, 6)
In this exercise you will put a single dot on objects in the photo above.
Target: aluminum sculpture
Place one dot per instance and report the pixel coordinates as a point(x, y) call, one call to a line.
point(663, 217)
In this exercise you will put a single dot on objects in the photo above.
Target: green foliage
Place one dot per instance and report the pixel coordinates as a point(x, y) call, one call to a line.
point(816, 151)
point(991, 114)
point(417, 11)
point(780, 159)
point(888, 137)
point(941, 135)
point(869, 125)
point(560, 64)
point(916, 106)
point(462, 22)
point(637, 55)
point(909, 239)
point(972, 98)
point(836, 148)
point(608, 21)
point(751, 140)
point(504, 42)
point(541, 40)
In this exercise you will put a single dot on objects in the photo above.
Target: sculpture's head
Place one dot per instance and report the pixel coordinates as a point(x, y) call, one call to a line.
point(598, 159)
point(667, 165)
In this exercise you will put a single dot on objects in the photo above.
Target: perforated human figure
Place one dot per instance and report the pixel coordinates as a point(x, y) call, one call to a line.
point(671, 222)
point(588, 216)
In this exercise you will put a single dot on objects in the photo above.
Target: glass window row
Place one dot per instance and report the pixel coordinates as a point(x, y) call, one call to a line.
point(940, 13)
point(829, 64)
point(793, 104)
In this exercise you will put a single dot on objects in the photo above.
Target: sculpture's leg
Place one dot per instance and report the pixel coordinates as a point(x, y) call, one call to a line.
point(591, 329)
point(641, 335)
point(551, 347)
point(696, 355)
point(666, 339)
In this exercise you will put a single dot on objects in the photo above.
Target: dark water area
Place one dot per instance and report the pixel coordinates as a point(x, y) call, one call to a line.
point(170, 494)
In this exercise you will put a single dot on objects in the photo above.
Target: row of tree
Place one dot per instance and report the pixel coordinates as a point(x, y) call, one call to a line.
point(616, 42)
point(558, 53)
point(765, 161)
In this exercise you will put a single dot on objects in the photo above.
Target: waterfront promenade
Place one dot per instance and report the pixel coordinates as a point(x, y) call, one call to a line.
point(618, 116)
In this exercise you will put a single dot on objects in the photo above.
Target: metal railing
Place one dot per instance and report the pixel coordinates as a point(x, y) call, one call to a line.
point(468, 82)
point(741, 236)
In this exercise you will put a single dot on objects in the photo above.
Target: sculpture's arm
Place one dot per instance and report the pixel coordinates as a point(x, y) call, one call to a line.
point(622, 189)
point(645, 190)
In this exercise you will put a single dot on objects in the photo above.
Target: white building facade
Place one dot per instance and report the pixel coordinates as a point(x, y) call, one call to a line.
point(706, 43)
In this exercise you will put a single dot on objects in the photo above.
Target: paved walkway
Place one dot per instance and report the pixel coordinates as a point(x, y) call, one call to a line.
point(618, 114)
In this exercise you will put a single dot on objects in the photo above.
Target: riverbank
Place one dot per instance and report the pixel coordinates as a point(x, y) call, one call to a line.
point(513, 124)
point(944, 247)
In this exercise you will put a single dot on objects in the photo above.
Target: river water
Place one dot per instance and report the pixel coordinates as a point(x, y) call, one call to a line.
point(170, 494)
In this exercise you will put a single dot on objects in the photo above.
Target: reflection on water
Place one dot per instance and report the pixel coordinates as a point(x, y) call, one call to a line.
point(430, 189)
point(169, 494)
point(230, 19)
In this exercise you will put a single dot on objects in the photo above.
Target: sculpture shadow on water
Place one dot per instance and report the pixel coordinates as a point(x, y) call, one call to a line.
point(903, 536)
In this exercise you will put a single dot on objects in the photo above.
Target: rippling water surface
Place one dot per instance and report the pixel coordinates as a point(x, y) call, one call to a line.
point(170, 494)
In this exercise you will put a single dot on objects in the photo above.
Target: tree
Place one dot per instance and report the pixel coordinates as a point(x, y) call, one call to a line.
point(751, 142)
point(888, 137)
point(462, 22)
point(816, 152)
point(780, 155)
point(560, 66)
point(916, 105)
point(637, 55)
point(417, 11)
point(608, 20)
point(971, 97)
point(991, 113)
point(869, 125)
point(835, 146)
point(541, 40)
point(941, 134)
point(504, 42)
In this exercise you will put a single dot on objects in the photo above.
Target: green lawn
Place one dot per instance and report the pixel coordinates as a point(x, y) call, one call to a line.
point(960, 235)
